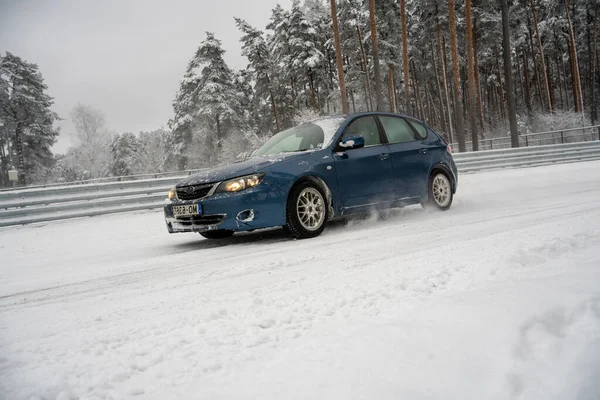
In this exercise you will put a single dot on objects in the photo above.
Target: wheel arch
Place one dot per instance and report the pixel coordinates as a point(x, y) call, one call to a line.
point(322, 185)
point(446, 171)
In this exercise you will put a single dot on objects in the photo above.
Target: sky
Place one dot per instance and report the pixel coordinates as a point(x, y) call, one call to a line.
point(123, 57)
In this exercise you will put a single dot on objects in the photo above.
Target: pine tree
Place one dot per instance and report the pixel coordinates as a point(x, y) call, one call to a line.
point(27, 118)
point(123, 154)
point(261, 67)
point(206, 106)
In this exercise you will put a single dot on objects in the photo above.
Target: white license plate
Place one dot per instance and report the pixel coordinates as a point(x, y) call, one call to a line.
point(187, 210)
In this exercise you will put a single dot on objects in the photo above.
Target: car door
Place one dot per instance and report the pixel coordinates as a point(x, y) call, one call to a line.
point(365, 175)
point(411, 156)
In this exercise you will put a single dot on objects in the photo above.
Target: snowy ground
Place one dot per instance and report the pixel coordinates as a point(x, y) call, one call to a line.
point(498, 298)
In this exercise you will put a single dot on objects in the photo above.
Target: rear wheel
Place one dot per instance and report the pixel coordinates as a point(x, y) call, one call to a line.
point(222, 234)
point(440, 192)
point(306, 211)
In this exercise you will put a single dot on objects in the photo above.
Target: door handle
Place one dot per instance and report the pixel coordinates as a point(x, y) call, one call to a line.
point(423, 151)
point(384, 156)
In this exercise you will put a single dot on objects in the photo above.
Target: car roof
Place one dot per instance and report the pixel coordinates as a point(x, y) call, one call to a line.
point(368, 113)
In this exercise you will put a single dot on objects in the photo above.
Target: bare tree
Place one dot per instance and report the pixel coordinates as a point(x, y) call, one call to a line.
point(575, 63)
point(510, 93)
point(541, 48)
point(91, 138)
point(338, 56)
point(460, 122)
point(405, 55)
point(471, 68)
point(89, 124)
point(376, 66)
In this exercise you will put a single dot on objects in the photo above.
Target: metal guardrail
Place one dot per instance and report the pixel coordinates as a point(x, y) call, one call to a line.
point(34, 205)
point(571, 135)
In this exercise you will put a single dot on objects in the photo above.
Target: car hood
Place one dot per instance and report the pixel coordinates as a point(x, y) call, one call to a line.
point(228, 171)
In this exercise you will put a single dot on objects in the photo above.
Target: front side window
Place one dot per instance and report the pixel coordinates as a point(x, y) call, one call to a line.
point(365, 127)
point(397, 130)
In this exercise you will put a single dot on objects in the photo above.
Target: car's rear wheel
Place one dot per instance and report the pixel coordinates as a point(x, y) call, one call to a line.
point(221, 234)
point(306, 211)
point(440, 192)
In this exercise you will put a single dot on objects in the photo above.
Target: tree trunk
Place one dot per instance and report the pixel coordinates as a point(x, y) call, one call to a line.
point(311, 84)
point(501, 86)
point(559, 82)
point(442, 57)
point(527, 84)
point(338, 57)
point(293, 93)
point(471, 78)
point(551, 84)
point(477, 81)
point(352, 99)
point(218, 141)
point(460, 123)
point(391, 91)
point(564, 73)
point(443, 119)
point(365, 69)
point(405, 56)
point(522, 88)
point(376, 66)
point(595, 66)
point(574, 63)
point(510, 93)
point(274, 109)
point(414, 78)
point(543, 61)
point(536, 75)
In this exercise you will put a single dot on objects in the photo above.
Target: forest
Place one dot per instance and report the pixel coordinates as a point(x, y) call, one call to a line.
point(440, 61)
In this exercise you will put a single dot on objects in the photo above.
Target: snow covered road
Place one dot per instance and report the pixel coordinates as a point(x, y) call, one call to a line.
point(498, 298)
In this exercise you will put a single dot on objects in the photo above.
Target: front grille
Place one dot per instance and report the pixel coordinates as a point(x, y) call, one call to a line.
point(201, 220)
point(193, 192)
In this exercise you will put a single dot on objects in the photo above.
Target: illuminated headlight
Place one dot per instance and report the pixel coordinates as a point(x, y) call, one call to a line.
point(172, 194)
point(241, 183)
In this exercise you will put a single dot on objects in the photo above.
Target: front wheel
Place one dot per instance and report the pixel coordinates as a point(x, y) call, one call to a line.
point(222, 234)
point(306, 211)
point(440, 192)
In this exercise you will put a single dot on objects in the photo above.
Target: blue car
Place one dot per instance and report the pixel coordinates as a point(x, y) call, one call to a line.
point(324, 169)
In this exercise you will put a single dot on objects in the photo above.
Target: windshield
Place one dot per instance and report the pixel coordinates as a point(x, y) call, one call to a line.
point(309, 136)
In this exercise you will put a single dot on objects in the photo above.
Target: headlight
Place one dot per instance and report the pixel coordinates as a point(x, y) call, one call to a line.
point(172, 194)
point(241, 183)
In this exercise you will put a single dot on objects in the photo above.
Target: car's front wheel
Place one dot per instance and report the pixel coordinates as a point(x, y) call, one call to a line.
point(306, 211)
point(440, 192)
point(221, 234)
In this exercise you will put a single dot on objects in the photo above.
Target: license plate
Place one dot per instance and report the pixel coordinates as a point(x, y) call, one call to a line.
point(187, 210)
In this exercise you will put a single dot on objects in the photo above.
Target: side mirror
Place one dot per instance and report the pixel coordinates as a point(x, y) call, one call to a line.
point(355, 142)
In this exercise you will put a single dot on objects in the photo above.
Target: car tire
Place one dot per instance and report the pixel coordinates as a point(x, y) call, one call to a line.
point(306, 211)
point(221, 234)
point(440, 192)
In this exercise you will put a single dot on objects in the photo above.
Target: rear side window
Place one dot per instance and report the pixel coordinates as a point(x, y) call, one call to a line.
point(420, 128)
point(397, 130)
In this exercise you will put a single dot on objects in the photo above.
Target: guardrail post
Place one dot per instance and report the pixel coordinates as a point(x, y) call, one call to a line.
point(598, 132)
point(562, 137)
point(526, 140)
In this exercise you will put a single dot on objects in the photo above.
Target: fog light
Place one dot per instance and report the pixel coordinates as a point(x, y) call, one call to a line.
point(245, 216)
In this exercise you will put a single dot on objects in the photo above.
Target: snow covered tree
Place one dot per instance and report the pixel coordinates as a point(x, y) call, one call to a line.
point(206, 106)
point(261, 68)
point(152, 152)
point(123, 154)
point(27, 120)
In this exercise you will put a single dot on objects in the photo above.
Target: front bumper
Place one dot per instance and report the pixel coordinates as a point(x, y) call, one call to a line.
point(222, 211)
